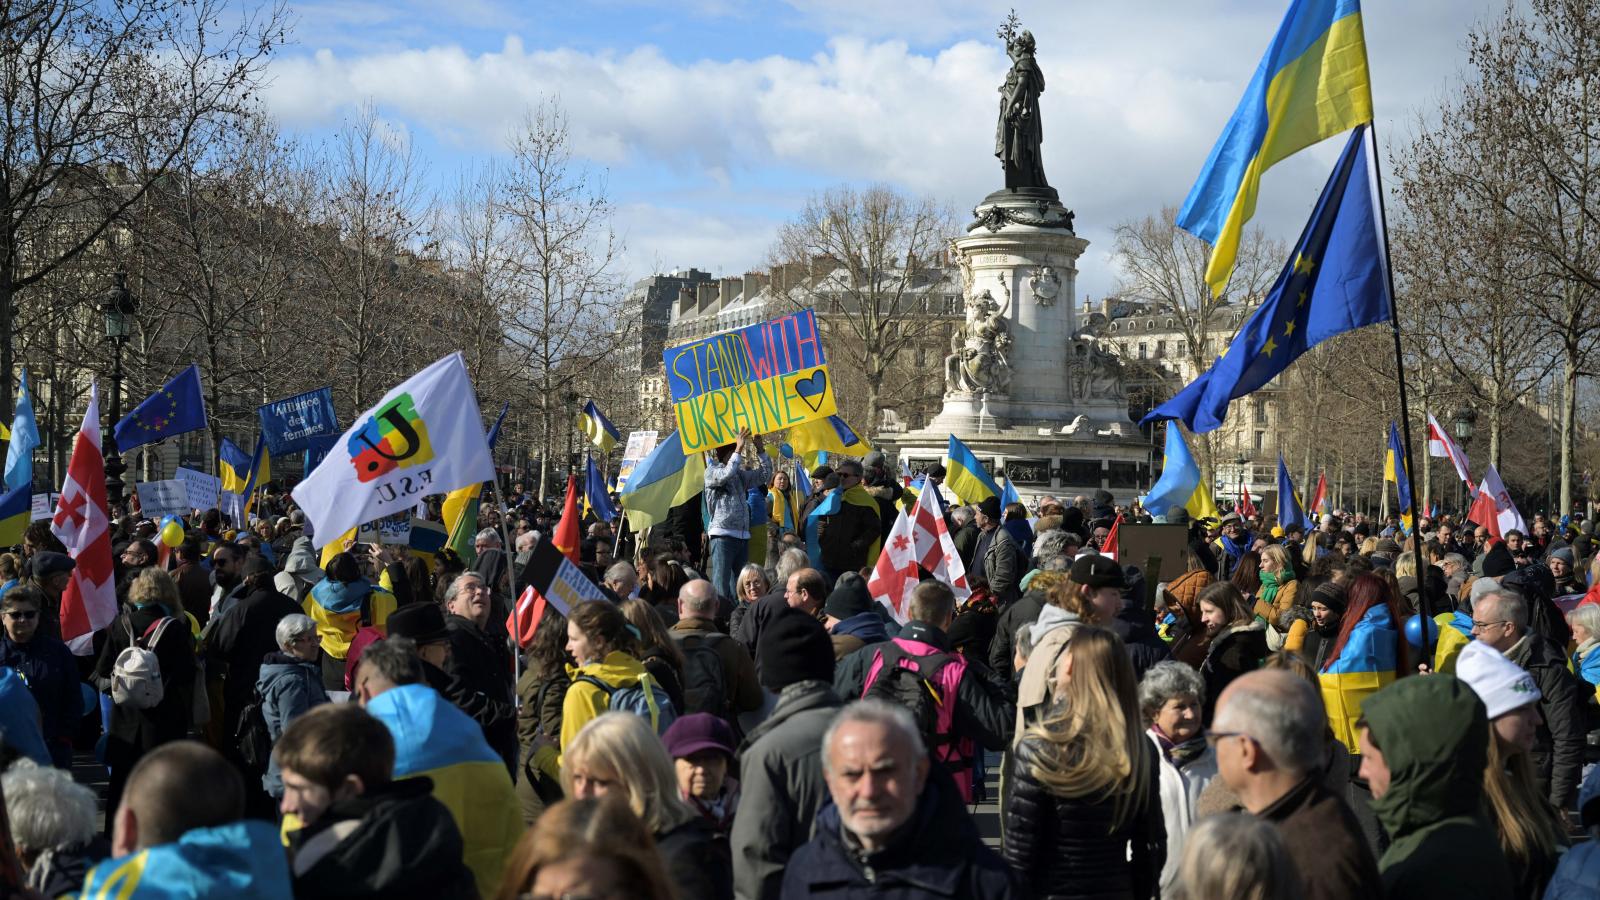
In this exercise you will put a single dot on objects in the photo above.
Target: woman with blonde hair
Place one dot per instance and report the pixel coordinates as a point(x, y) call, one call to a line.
point(1279, 590)
point(1529, 827)
point(1237, 856)
point(617, 754)
point(1085, 784)
point(1091, 594)
point(1584, 620)
point(586, 848)
point(1316, 547)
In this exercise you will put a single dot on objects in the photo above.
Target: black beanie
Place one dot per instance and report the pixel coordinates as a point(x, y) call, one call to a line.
point(1332, 595)
point(849, 597)
point(793, 647)
point(1498, 561)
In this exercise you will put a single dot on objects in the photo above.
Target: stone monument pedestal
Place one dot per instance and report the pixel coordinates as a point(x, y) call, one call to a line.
point(1032, 395)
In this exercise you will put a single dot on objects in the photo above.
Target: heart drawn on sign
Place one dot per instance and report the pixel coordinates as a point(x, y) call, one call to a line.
point(813, 390)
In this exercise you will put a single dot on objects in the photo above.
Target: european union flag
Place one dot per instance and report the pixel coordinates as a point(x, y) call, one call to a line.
point(1335, 281)
point(177, 408)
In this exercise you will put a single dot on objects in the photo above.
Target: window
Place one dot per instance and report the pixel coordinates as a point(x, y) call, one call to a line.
point(1261, 441)
point(1183, 348)
point(1113, 326)
point(1261, 413)
point(1161, 349)
point(1142, 348)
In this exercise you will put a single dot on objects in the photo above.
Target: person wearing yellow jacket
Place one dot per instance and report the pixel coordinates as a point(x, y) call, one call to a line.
point(599, 639)
point(341, 603)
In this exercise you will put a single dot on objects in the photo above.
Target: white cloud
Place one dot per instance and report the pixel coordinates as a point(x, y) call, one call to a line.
point(1136, 94)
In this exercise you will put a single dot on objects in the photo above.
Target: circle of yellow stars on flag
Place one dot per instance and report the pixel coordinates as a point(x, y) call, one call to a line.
point(161, 419)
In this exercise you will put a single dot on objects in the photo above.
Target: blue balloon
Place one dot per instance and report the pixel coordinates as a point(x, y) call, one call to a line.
point(1414, 632)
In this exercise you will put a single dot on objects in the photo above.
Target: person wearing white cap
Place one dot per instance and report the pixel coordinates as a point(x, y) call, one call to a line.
point(1529, 826)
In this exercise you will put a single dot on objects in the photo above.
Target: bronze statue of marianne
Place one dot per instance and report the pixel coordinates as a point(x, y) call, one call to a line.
point(1018, 135)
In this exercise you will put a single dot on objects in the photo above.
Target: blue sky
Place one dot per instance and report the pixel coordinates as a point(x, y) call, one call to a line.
point(714, 119)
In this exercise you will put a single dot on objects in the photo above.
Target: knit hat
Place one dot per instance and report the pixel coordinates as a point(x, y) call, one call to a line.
point(1332, 595)
point(1501, 684)
point(1498, 561)
point(1564, 554)
point(48, 562)
point(821, 471)
point(1097, 572)
point(690, 734)
point(793, 647)
point(421, 622)
point(849, 598)
point(990, 506)
point(1277, 531)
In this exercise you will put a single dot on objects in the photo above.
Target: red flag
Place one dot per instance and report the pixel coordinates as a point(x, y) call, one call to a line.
point(569, 531)
point(1320, 498)
point(526, 615)
point(1109, 548)
point(1484, 512)
point(1246, 508)
point(82, 523)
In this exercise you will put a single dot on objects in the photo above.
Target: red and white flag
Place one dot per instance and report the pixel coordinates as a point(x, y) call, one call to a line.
point(81, 523)
point(1319, 500)
point(1246, 507)
point(919, 539)
point(1439, 444)
point(1492, 507)
point(1109, 548)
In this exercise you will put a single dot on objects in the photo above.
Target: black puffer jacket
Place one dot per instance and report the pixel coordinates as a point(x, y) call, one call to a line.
point(1558, 744)
point(1067, 848)
point(697, 860)
point(482, 664)
point(1235, 650)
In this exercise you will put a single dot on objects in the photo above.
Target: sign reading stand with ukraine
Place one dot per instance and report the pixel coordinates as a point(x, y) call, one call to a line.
point(765, 377)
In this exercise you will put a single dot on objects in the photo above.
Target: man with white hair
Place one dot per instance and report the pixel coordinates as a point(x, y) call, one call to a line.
point(1500, 619)
point(487, 539)
point(623, 579)
point(1270, 736)
point(53, 825)
point(891, 829)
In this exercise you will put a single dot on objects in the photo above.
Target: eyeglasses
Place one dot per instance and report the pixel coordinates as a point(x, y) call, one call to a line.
point(1479, 626)
point(1213, 736)
point(22, 615)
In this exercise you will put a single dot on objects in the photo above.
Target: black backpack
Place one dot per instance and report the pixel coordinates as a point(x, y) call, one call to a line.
point(705, 682)
point(914, 688)
point(251, 737)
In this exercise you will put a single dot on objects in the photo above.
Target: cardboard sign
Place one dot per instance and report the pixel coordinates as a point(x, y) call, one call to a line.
point(391, 531)
point(163, 498)
point(640, 443)
point(290, 424)
point(765, 377)
point(1136, 544)
point(204, 490)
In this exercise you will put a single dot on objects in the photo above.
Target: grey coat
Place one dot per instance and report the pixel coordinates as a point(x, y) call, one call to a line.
point(288, 686)
point(782, 787)
point(726, 486)
point(1002, 567)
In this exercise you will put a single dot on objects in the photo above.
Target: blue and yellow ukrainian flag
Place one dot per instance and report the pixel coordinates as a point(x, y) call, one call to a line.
point(965, 476)
point(662, 480)
point(460, 507)
point(1365, 666)
point(233, 464)
point(240, 859)
point(1180, 483)
point(1311, 85)
point(597, 428)
point(829, 435)
point(434, 739)
point(16, 511)
point(22, 437)
point(1394, 469)
point(595, 498)
point(1290, 512)
point(1336, 280)
point(260, 473)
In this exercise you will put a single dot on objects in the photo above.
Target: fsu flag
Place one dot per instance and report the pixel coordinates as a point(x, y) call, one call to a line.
point(90, 601)
point(552, 581)
point(919, 540)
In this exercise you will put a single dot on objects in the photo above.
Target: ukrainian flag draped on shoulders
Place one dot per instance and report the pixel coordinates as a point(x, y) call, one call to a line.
point(434, 739)
point(336, 607)
point(1336, 280)
point(1311, 84)
point(1365, 665)
point(242, 859)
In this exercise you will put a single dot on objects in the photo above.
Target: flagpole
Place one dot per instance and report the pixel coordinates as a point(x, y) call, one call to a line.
point(1425, 614)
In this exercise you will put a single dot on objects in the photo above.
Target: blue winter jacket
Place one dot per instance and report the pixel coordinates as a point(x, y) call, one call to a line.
point(288, 686)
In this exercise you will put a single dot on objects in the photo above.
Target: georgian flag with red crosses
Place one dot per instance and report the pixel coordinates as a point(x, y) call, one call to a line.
point(919, 540)
point(90, 601)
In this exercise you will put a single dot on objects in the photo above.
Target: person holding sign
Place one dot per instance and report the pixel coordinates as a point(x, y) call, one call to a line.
point(727, 482)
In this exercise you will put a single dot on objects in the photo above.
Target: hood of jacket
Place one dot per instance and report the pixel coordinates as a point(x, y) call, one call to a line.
point(278, 664)
point(793, 700)
point(429, 731)
point(868, 626)
point(241, 859)
point(341, 596)
point(1051, 618)
point(1433, 733)
point(302, 561)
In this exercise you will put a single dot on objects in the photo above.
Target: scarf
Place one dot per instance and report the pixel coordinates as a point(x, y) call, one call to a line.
point(1270, 585)
point(784, 509)
point(1584, 648)
point(1233, 548)
point(1179, 755)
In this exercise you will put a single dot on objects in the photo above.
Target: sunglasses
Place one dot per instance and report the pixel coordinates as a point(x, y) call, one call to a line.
point(20, 615)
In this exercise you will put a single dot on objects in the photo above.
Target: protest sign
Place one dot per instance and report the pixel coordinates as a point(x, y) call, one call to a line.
point(203, 490)
point(163, 498)
point(44, 505)
point(764, 377)
point(640, 443)
point(290, 424)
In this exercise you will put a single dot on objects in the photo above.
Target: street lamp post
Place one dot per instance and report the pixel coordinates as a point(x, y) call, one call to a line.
point(119, 308)
point(1461, 424)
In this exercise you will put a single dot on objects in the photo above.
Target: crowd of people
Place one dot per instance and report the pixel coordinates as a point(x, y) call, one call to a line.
point(1352, 711)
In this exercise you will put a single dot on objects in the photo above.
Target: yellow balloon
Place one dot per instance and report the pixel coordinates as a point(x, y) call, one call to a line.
point(172, 534)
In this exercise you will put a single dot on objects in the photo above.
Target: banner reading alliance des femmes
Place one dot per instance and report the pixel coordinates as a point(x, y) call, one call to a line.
point(294, 422)
point(764, 377)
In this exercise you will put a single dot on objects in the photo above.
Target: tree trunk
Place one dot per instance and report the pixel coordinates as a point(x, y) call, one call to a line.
point(1569, 410)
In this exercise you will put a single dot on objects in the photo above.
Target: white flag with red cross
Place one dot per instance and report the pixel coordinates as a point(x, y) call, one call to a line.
point(90, 601)
point(919, 540)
